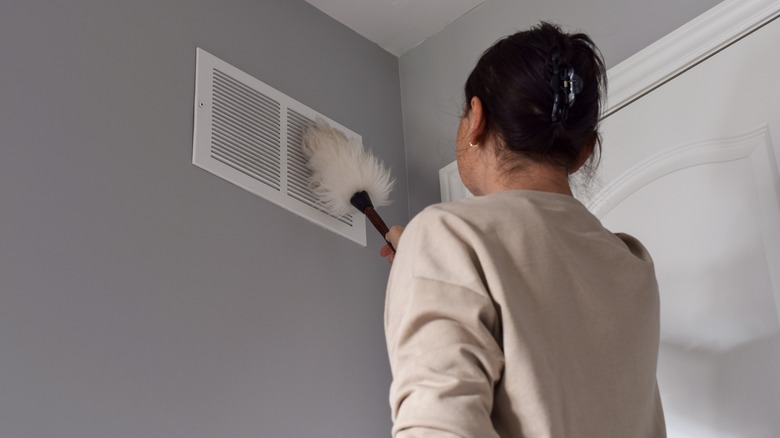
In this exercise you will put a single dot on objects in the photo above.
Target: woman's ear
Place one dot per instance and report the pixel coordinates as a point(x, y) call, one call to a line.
point(476, 121)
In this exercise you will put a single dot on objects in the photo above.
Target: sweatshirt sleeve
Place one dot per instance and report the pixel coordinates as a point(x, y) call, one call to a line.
point(441, 340)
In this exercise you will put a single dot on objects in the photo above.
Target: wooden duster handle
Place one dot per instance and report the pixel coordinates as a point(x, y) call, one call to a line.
point(362, 202)
point(378, 223)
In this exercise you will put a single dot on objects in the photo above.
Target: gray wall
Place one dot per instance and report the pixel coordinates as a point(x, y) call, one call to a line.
point(143, 297)
point(433, 73)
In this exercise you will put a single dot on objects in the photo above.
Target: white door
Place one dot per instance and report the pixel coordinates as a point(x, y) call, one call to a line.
point(691, 169)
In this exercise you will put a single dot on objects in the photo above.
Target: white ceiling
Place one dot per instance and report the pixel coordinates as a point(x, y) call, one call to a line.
point(396, 25)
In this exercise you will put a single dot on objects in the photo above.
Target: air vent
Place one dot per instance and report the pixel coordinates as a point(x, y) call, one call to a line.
point(250, 134)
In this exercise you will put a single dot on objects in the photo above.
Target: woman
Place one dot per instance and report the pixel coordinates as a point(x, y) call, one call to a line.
point(516, 313)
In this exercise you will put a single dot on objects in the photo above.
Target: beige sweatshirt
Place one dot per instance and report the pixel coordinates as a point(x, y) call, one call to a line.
point(519, 315)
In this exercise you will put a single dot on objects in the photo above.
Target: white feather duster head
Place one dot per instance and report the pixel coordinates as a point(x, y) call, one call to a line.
point(341, 167)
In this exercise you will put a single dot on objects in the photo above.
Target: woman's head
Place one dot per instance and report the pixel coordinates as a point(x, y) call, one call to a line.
point(541, 93)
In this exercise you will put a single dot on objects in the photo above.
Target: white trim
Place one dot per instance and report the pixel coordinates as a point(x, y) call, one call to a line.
point(674, 159)
point(446, 175)
point(452, 188)
point(680, 50)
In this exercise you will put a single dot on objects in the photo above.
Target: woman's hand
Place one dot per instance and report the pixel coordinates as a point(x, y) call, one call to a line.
point(393, 236)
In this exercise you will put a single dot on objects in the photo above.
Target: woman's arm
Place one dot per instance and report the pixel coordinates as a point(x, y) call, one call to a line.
point(441, 337)
point(445, 361)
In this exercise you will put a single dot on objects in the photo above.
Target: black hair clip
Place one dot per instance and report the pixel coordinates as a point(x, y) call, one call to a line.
point(566, 85)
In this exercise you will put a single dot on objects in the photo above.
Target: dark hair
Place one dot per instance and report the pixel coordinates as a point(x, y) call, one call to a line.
point(513, 81)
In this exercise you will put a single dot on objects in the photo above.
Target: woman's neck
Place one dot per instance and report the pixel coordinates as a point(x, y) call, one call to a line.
point(529, 176)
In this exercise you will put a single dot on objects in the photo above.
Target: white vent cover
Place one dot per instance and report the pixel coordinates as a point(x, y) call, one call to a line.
point(250, 134)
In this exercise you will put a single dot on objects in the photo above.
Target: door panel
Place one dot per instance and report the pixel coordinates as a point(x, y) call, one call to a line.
point(691, 169)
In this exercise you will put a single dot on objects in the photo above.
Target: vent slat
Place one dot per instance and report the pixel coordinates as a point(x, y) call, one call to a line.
point(295, 150)
point(296, 156)
point(267, 151)
point(301, 189)
point(308, 199)
point(301, 175)
point(269, 118)
point(246, 171)
point(229, 102)
point(252, 126)
point(295, 134)
point(305, 201)
point(302, 184)
point(239, 159)
point(299, 160)
point(304, 194)
point(341, 219)
point(298, 126)
point(295, 147)
point(298, 117)
point(239, 164)
point(257, 100)
point(242, 164)
point(272, 143)
point(254, 151)
point(230, 95)
point(296, 170)
point(295, 139)
point(271, 168)
point(259, 153)
point(245, 88)
point(297, 123)
point(251, 122)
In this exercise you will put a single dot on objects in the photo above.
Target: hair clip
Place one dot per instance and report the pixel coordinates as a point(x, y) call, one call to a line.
point(565, 84)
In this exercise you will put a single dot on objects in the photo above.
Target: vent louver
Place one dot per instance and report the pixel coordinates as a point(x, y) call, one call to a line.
point(251, 135)
point(245, 130)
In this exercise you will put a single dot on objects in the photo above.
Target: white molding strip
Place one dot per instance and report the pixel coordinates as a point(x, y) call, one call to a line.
point(452, 188)
point(674, 159)
point(685, 47)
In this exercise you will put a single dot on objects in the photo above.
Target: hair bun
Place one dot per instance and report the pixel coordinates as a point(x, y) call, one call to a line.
point(541, 93)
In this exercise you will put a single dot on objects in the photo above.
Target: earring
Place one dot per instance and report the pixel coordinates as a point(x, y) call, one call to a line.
point(473, 145)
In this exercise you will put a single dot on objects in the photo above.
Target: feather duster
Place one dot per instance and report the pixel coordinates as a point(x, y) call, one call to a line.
point(344, 174)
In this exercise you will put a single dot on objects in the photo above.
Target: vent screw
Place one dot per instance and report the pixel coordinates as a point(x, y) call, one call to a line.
point(200, 104)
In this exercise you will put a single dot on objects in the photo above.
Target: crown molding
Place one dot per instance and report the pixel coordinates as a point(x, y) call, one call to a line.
point(685, 47)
